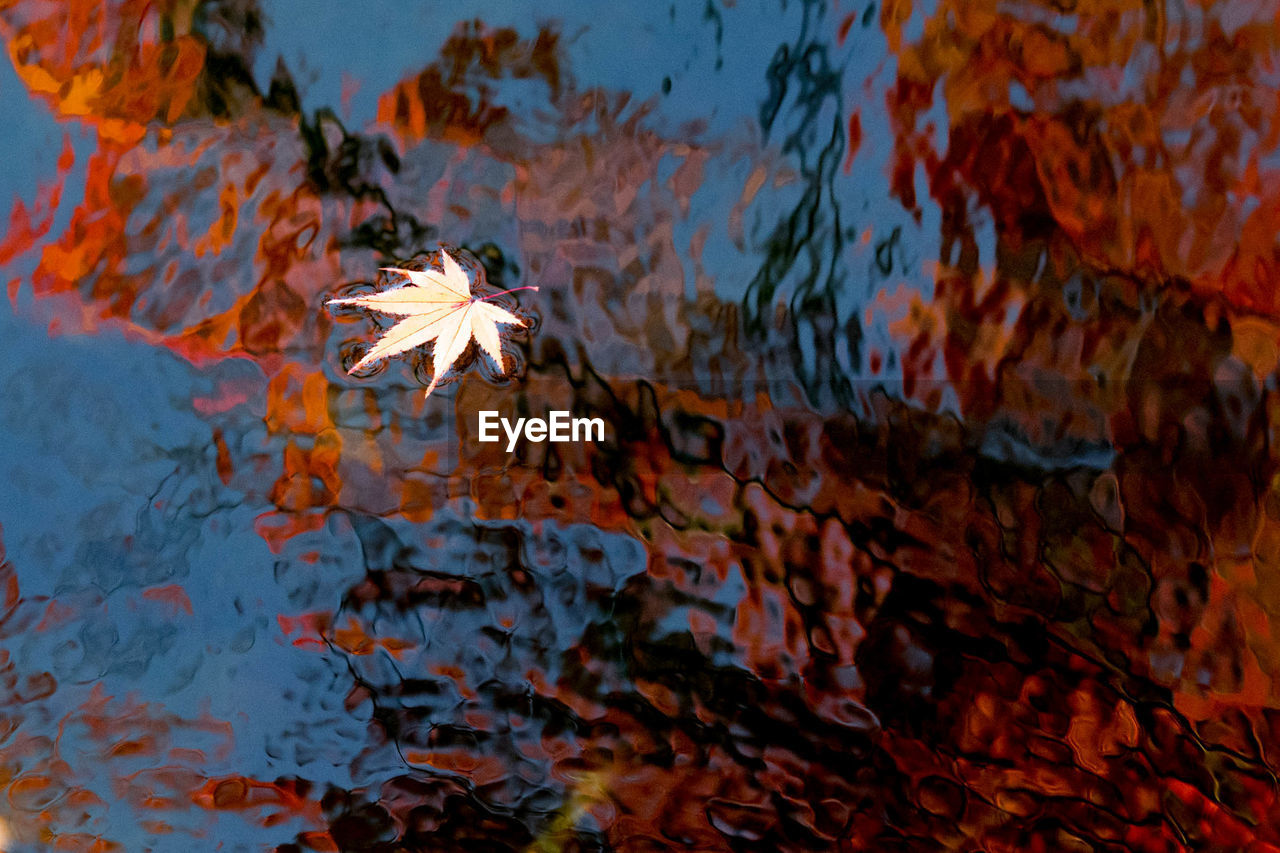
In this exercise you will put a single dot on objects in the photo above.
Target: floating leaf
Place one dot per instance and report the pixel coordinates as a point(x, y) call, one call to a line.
point(439, 307)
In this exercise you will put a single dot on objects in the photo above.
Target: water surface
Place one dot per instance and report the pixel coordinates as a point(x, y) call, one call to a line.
point(936, 345)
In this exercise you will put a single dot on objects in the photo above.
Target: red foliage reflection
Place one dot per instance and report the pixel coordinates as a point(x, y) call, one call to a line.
point(746, 620)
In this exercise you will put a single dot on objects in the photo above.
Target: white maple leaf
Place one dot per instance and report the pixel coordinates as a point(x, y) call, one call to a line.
point(440, 307)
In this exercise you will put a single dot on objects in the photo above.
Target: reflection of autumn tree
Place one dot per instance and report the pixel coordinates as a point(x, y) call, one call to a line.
point(738, 625)
point(936, 646)
point(206, 241)
point(1117, 154)
point(1119, 159)
point(1139, 135)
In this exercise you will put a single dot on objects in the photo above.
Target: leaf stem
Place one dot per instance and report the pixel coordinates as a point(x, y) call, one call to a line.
point(511, 290)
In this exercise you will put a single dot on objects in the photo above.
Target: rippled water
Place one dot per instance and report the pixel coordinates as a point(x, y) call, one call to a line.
point(937, 345)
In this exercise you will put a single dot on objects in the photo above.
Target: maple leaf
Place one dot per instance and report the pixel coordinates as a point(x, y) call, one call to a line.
point(440, 307)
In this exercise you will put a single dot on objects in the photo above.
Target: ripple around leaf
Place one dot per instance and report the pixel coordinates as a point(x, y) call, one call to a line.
point(352, 351)
point(511, 371)
point(423, 373)
point(347, 291)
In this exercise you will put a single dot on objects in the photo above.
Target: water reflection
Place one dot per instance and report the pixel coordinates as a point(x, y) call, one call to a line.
point(935, 508)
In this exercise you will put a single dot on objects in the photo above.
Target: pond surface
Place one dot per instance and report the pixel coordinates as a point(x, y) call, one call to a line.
point(936, 346)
